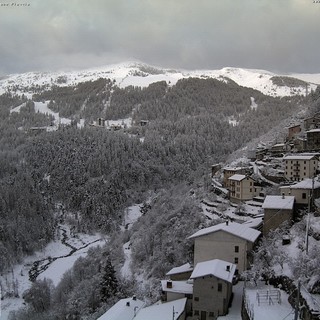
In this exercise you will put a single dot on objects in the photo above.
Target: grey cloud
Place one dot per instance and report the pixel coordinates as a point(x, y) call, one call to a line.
point(275, 35)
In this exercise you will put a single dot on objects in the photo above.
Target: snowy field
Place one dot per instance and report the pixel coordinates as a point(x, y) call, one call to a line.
point(59, 252)
point(264, 308)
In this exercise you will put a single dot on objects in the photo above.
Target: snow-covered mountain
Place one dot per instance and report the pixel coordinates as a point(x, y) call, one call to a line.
point(139, 74)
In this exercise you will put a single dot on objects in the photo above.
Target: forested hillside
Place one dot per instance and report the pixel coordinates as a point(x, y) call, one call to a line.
point(95, 174)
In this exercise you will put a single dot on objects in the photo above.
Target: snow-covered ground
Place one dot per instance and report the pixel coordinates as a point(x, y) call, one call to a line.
point(59, 252)
point(139, 74)
point(266, 310)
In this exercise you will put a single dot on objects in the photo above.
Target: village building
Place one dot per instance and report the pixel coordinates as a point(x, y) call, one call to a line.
point(303, 191)
point(180, 273)
point(278, 149)
point(230, 241)
point(229, 171)
point(174, 310)
point(312, 122)
point(293, 131)
point(313, 139)
point(299, 144)
point(242, 188)
point(212, 288)
point(175, 290)
point(124, 309)
point(277, 209)
point(300, 166)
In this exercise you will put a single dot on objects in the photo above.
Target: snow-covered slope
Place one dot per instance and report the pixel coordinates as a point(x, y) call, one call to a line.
point(139, 74)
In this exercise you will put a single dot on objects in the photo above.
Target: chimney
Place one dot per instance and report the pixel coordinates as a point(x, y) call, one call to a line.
point(169, 284)
point(282, 195)
point(128, 304)
point(134, 298)
point(228, 268)
point(227, 222)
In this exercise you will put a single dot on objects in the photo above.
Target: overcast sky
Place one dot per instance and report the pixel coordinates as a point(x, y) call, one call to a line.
point(276, 35)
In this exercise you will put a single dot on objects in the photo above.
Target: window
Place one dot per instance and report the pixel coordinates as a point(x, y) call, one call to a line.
point(236, 249)
point(196, 312)
point(250, 184)
point(304, 196)
point(196, 298)
point(250, 189)
point(211, 314)
point(219, 287)
point(236, 260)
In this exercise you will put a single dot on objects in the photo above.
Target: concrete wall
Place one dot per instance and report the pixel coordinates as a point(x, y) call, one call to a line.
point(221, 245)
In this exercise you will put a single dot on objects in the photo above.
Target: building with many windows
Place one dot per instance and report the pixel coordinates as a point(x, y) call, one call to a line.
point(300, 166)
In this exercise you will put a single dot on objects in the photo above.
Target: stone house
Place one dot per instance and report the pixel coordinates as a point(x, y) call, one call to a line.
point(312, 122)
point(313, 139)
point(277, 209)
point(212, 288)
point(293, 130)
point(300, 166)
point(230, 241)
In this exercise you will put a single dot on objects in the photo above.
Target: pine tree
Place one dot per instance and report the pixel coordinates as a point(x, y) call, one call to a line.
point(109, 282)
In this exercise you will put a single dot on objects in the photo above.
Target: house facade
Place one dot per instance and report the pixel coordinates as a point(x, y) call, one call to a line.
point(229, 172)
point(299, 167)
point(302, 191)
point(212, 289)
point(277, 209)
point(242, 188)
point(231, 242)
point(180, 273)
point(175, 290)
point(313, 139)
point(293, 130)
point(312, 122)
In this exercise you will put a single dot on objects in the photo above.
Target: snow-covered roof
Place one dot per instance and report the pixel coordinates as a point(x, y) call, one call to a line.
point(304, 184)
point(279, 145)
point(125, 309)
point(177, 286)
point(233, 168)
point(163, 311)
point(218, 268)
point(184, 268)
point(299, 157)
point(314, 130)
point(237, 229)
point(278, 202)
point(254, 223)
point(237, 177)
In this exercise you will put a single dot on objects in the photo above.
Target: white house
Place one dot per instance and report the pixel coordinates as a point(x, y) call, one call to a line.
point(212, 288)
point(230, 241)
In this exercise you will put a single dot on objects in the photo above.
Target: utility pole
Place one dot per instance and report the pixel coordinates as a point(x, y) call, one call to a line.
point(296, 312)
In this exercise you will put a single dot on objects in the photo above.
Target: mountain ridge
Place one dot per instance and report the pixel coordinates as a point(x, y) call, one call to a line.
point(132, 73)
